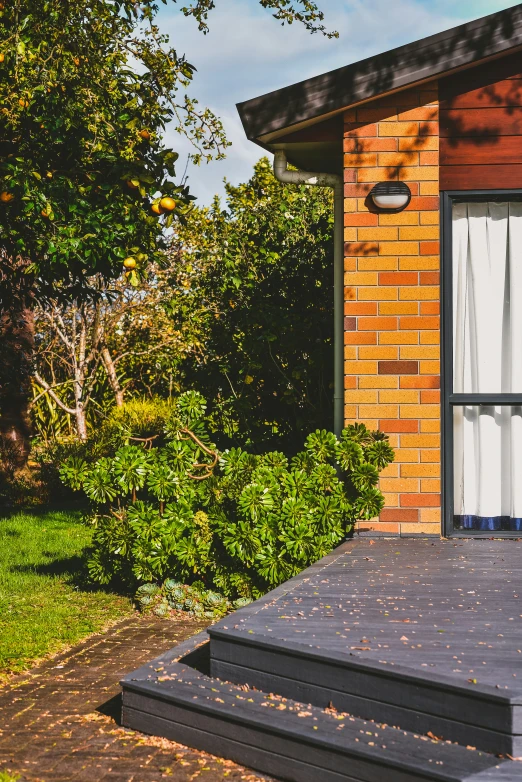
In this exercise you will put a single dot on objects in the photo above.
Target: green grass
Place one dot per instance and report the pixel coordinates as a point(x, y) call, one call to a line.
point(44, 602)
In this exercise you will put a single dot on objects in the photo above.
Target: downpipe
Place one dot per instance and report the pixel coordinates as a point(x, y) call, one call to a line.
point(334, 181)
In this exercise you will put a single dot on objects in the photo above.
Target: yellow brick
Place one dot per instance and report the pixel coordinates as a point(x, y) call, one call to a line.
point(420, 440)
point(378, 263)
point(399, 129)
point(422, 263)
point(350, 205)
point(406, 455)
point(350, 264)
point(430, 455)
point(350, 411)
point(391, 470)
point(399, 484)
point(407, 351)
point(350, 234)
point(377, 234)
point(370, 423)
point(361, 278)
point(417, 528)
point(379, 352)
point(420, 471)
point(398, 308)
point(360, 367)
point(394, 440)
point(391, 500)
point(420, 411)
point(350, 352)
point(428, 425)
point(432, 515)
point(429, 368)
point(429, 337)
point(430, 485)
point(429, 218)
point(379, 411)
point(399, 338)
point(401, 218)
point(384, 293)
point(356, 397)
point(402, 396)
point(398, 248)
point(381, 381)
point(360, 159)
point(406, 174)
point(421, 233)
point(419, 293)
point(429, 188)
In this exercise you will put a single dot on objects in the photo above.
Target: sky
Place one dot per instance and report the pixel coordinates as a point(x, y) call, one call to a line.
point(248, 53)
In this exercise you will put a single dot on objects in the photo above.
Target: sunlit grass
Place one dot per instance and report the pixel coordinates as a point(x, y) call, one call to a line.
point(44, 603)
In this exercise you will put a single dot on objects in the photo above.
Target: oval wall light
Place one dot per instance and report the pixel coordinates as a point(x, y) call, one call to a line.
point(391, 196)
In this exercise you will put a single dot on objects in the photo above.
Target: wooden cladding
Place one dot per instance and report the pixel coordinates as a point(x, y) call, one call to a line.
point(481, 127)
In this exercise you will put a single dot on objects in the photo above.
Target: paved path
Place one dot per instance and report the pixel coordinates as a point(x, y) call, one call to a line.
point(60, 721)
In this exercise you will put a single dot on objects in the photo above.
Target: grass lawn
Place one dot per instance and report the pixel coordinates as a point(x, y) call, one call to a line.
point(44, 606)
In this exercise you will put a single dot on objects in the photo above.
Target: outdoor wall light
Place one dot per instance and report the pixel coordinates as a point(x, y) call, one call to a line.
point(391, 196)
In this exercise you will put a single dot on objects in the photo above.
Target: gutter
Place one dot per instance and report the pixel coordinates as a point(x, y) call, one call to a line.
point(334, 181)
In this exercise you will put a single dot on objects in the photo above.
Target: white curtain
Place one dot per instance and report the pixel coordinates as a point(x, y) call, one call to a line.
point(487, 349)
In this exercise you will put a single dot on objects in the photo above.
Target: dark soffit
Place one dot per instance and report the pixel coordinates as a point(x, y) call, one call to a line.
point(396, 69)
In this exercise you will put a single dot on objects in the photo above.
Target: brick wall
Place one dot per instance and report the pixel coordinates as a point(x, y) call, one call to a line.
point(392, 371)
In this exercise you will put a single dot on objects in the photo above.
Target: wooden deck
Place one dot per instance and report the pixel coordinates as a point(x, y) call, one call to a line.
point(421, 635)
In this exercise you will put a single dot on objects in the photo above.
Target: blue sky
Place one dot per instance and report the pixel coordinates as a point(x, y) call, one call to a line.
point(247, 53)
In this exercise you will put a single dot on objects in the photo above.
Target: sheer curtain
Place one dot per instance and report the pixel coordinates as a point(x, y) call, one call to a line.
point(487, 345)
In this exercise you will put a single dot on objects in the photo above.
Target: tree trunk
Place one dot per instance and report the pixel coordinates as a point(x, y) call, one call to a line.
point(112, 376)
point(81, 424)
point(16, 366)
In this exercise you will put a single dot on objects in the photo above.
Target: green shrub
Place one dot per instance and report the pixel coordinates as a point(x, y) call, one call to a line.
point(239, 523)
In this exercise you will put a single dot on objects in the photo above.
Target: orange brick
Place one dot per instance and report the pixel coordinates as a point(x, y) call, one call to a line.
point(369, 423)
point(350, 411)
point(399, 425)
point(350, 294)
point(398, 248)
point(377, 324)
point(429, 367)
point(405, 174)
point(398, 308)
point(399, 514)
point(430, 455)
point(358, 308)
point(361, 278)
point(360, 159)
point(381, 381)
point(398, 278)
point(418, 232)
point(378, 526)
point(379, 352)
point(400, 218)
point(389, 233)
point(429, 248)
point(421, 322)
point(429, 308)
point(359, 397)
point(418, 293)
point(424, 143)
point(354, 190)
point(361, 248)
point(432, 515)
point(429, 158)
point(391, 470)
point(399, 484)
point(360, 218)
point(378, 411)
point(358, 129)
point(350, 381)
point(429, 484)
point(420, 382)
point(350, 353)
point(360, 367)
point(424, 203)
point(353, 144)
point(429, 278)
point(429, 188)
point(360, 338)
point(399, 338)
point(397, 159)
point(378, 263)
point(421, 113)
point(407, 455)
point(419, 263)
point(419, 500)
point(420, 471)
point(430, 397)
point(420, 411)
point(350, 264)
point(428, 128)
point(429, 218)
point(377, 294)
point(419, 351)
point(399, 129)
point(399, 396)
point(430, 425)
point(420, 440)
point(429, 337)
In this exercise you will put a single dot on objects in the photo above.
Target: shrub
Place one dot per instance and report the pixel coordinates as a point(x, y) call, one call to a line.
point(239, 523)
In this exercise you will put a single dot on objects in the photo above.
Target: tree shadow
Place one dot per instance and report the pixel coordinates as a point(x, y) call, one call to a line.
point(73, 570)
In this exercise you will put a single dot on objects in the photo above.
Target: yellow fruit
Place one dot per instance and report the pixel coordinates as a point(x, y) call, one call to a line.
point(167, 203)
point(76, 61)
point(144, 134)
point(44, 213)
point(132, 184)
point(5, 197)
point(2, 55)
point(130, 262)
point(156, 208)
point(249, 379)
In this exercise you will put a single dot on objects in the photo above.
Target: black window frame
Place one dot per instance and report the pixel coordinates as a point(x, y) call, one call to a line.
point(449, 400)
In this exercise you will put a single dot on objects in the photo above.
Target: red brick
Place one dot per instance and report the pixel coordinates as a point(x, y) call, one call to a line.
point(420, 500)
point(429, 278)
point(398, 278)
point(357, 190)
point(399, 514)
point(350, 175)
point(399, 425)
point(350, 324)
point(429, 248)
point(360, 129)
point(398, 367)
point(422, 381)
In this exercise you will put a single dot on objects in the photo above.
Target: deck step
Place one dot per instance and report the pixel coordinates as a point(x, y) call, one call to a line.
point(174, 697)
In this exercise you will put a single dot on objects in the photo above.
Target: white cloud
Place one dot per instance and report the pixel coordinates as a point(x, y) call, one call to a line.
point(247, 53)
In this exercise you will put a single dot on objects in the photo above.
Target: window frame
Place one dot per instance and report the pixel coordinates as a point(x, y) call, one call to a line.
point(449, 400)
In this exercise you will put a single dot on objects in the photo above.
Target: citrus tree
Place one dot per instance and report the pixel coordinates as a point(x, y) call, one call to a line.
point(86, 90)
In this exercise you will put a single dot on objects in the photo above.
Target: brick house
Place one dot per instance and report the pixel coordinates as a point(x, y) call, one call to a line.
point(444, 116)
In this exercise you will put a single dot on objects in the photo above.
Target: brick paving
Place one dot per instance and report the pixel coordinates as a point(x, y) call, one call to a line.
point(60, 721)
